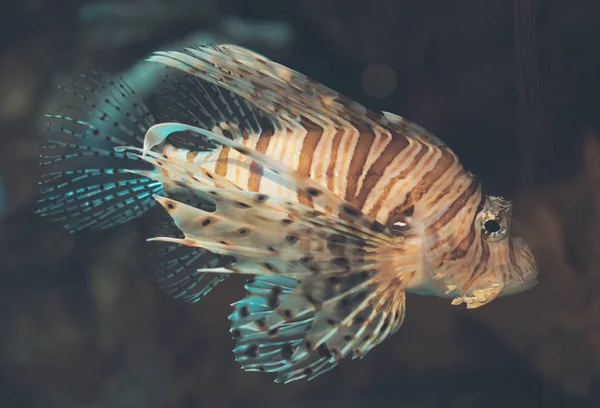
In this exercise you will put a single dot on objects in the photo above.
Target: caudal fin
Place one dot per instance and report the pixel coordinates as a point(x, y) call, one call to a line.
point(85, 183)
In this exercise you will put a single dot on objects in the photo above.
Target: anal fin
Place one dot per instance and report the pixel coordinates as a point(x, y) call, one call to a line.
point(272, 351)
point(302, 330)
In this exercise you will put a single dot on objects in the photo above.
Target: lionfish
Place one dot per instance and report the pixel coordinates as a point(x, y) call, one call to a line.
point(336, 212)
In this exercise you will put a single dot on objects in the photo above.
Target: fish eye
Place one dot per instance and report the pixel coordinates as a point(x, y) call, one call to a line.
point(492, 226)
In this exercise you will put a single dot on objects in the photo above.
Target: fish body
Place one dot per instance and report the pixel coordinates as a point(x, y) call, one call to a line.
point(410, 175)
point(337, 211)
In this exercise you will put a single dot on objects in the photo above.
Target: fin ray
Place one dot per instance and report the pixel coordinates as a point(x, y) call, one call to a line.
point(188, 99)
point(286, 94)
point(306, 345)
point(85, 183)
point(275, 89)
point(177, 267)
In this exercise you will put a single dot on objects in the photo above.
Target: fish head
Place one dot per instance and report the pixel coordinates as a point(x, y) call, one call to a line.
point(509, 266)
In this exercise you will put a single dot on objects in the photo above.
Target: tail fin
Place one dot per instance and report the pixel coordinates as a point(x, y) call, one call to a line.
point(85, 184)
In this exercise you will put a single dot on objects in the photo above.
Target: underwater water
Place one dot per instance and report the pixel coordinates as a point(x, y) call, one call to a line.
point(510, 86)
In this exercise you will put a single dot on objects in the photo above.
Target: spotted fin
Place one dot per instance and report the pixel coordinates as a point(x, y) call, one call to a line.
point(287, 95)
point(277, 331)
point(176, 266)
point(85, 182)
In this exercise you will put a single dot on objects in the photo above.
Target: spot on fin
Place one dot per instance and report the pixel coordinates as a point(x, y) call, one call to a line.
point(303, 330)
point(279, 91)
point(176, 267)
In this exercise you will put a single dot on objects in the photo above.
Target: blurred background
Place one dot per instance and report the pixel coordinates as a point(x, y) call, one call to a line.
point(511, 86)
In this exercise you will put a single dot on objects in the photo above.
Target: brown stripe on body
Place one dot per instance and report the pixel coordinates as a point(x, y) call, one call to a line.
point(191, 156)
point(481, 265)
point(401, 176)
point(432, 176)
point(449, 185)
point(257, 170)
point(404, 210)
point(221, 165)
point(462, 248)
point(309, 145)
point(335, 147)
point(455, 207)
point(365, 141)
point(396, 146)
point(465, 244)
point(322, 152)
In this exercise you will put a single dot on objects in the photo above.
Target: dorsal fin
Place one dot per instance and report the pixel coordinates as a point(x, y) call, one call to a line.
point(287, 96)
point(191, 100)
point(279, 91)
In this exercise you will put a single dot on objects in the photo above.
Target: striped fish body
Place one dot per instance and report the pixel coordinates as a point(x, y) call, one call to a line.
point(394, 178)
point(335, 210)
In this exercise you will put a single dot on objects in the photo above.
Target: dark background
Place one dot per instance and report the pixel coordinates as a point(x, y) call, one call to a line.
point(511, 86)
